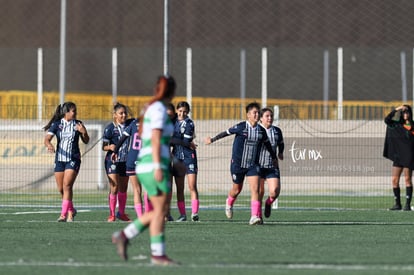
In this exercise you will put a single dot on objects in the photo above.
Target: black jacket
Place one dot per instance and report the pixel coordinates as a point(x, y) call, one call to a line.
point(399, 142)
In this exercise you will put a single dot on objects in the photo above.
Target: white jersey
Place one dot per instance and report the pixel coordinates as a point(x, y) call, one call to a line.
point(155, 117)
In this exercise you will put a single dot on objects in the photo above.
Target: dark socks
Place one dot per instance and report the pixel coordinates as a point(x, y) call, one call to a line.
point(409, 195)
point(397, 195)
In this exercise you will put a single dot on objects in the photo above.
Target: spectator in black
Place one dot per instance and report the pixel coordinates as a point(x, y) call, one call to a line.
point(399, 148)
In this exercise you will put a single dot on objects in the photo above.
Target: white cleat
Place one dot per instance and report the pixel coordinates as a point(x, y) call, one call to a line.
point(255, 220)
point(229, 211)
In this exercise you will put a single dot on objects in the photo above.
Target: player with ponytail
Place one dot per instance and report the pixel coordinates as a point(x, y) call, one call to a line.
point(67, 130)
point(153, 170)
point(116, 170)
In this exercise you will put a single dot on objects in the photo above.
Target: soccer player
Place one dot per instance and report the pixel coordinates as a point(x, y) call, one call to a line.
point(174, 172)
point(130, 134)
point(184, 130)
point(268, 171)
point(67, 130)
point(399, 148)
point(116, 172)
point(153, 170)
point(248, 140)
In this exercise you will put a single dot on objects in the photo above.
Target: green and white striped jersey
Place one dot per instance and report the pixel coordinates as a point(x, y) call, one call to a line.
point(155, 117)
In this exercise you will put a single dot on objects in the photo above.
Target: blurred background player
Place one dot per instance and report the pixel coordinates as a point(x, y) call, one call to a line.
point(116, 171)
point(173, 117)
point(268, 171)
point(67, 130)
point(130, 135)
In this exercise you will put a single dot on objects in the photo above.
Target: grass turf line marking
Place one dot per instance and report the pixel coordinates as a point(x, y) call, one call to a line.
point(287, 266)
point(222, 221)
point(40, 212)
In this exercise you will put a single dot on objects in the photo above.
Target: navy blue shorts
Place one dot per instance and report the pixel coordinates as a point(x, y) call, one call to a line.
point(130, 168)
point(269, 173)
point(190, 165)
point(115, 168)
point(238, 174)
point(61, 166)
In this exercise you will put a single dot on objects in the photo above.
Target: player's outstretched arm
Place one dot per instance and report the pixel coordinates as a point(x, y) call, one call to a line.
point(210, 140)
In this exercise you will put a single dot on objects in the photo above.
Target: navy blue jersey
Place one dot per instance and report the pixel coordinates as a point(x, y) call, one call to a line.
point(134, 144)
point(112, 134)
point(67, 136)
point(184, 130)
point(247, 143)
point(276, 139)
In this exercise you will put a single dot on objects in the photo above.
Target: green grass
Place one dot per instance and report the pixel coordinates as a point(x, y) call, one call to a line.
point(290, 242)
point(95, 198)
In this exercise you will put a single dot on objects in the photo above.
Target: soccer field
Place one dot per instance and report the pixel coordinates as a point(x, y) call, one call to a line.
point(290, 242)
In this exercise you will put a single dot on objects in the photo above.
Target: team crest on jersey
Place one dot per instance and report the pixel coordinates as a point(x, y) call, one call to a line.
point(182, 128)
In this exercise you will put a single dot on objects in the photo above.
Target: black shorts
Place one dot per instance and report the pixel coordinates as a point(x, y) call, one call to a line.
point(396, 164)
point(115, 168)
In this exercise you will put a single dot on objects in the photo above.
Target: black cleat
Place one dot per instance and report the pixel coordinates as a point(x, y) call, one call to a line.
point(396, 207)
point(267, 210)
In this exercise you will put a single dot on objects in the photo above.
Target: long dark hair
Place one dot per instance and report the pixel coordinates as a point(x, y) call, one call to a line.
point(410, 113)
point(60, 112)
point(118, 106)
point(183, 104)
point(165, 88)
point(171, 107)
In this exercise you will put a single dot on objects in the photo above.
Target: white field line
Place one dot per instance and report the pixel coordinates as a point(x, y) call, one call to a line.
point(224, 220)
point(250, 266)
point(41, 212)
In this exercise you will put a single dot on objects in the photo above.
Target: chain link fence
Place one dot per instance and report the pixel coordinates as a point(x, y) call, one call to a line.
point(314, 51)
point(301, 37)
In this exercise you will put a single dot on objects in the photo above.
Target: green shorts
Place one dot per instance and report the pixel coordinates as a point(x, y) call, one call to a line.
point(153, 187)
